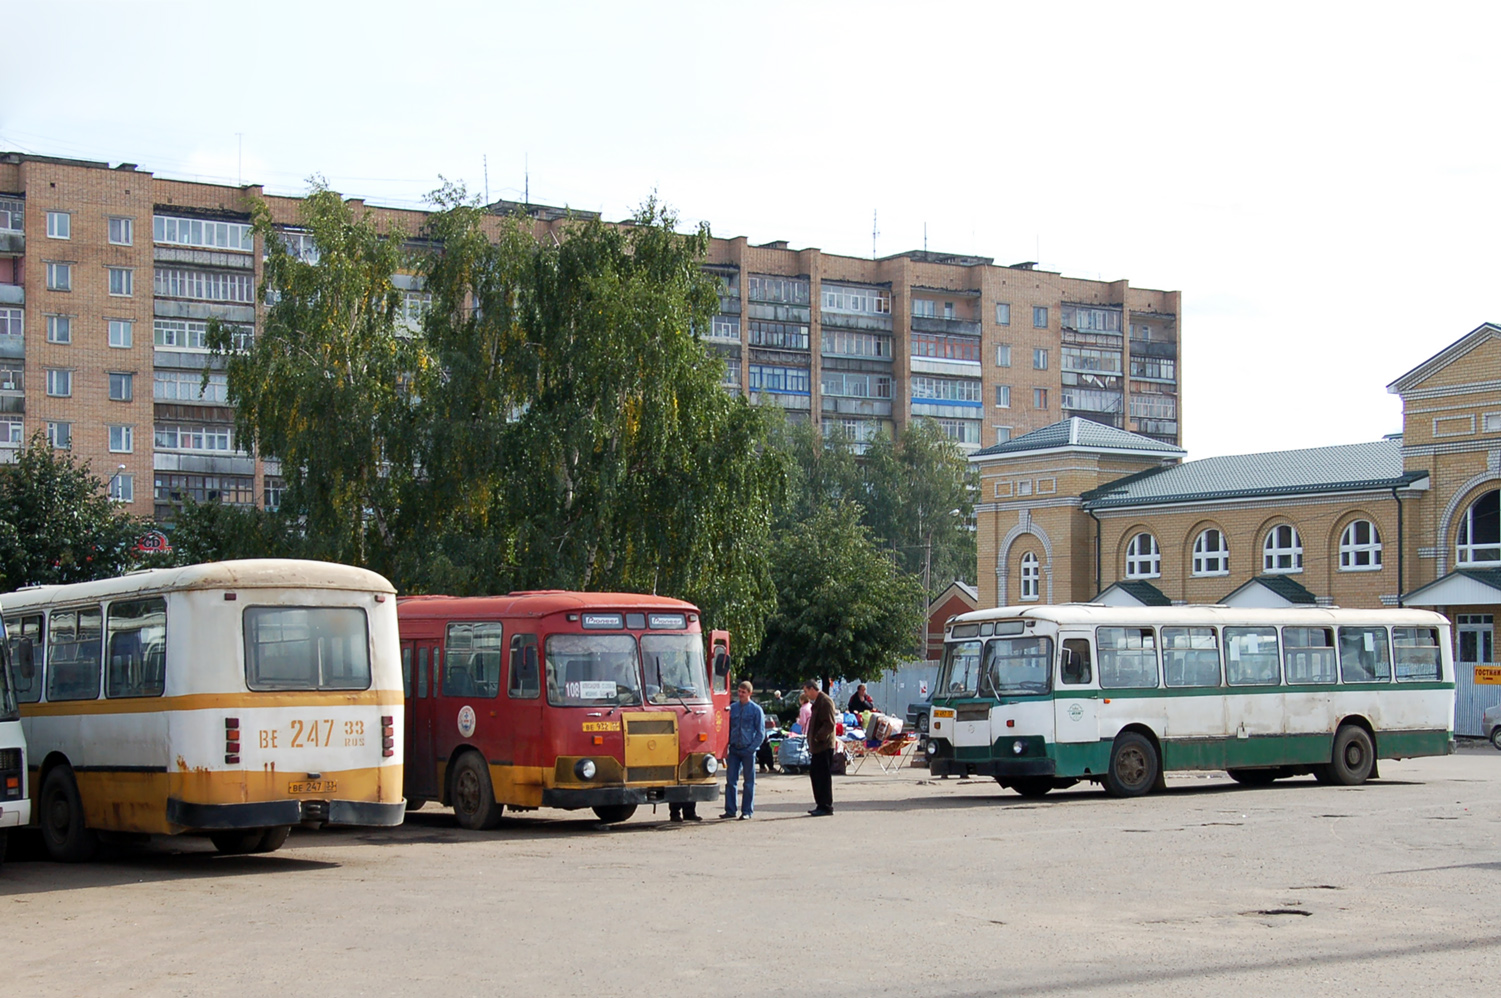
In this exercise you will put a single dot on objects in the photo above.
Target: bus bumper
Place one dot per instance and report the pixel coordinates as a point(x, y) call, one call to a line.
point(264, 814)
point(999, 768)
point(571, 799)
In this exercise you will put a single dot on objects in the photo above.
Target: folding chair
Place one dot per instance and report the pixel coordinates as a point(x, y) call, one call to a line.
point(892, 752)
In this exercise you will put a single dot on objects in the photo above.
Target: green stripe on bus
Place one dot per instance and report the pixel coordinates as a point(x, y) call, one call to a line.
point(1087, 758)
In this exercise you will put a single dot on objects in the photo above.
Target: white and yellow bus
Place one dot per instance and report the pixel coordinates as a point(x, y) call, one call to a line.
point(1043, 697)
point(15, 804)
point(234, 699)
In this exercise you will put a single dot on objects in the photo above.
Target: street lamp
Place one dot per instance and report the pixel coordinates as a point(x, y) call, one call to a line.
point(112, 479)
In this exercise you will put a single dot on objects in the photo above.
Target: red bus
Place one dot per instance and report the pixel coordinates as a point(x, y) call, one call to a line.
point(559, 699)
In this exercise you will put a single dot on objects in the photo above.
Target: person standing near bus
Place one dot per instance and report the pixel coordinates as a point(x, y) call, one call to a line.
point(821, 748)
point(747, 730)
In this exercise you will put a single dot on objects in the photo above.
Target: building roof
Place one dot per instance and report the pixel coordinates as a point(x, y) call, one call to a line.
point(1343, 468)
point(1078, 433)
point(1281, 586)
point(1446, 356)
point(1144, 593)
point(1461, 587)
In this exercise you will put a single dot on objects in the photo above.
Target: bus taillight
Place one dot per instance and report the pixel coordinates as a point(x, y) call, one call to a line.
point(231, 740)
point(387, 735)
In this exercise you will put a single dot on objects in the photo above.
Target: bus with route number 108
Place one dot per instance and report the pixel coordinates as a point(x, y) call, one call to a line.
point(1043, 697)
point(560, 699)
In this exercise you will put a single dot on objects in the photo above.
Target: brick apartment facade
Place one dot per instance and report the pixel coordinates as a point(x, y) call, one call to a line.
point(108, 276)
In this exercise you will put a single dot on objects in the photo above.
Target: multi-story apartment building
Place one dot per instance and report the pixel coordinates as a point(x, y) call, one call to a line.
point(109, 275)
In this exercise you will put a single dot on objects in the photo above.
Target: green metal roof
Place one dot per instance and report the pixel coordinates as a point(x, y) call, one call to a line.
point(1082, 433)
point(1282, 585)
point(1143, 592)
point(1343, 468)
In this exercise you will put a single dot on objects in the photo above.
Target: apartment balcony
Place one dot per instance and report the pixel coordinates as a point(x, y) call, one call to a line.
point(800, 314)
point(729, 304)
point(12, 347)
point(203, 258)
point(862, 321)
point(12, 294)
point(12, 243)
point(1076, 338)
point(962, 327)
point(1152, 348)
point(782, 400)
point(846, 406)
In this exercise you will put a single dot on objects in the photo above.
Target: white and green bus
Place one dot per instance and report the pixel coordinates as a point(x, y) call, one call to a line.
point(15, 799)
point(1042, 697)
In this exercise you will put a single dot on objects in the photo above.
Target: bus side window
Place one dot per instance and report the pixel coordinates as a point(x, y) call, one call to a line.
point(526, 681)
point(721, 669)
point(421, 672)
point(1077, 668)
point(406, 671)
point(73, 654)
point(25, 637)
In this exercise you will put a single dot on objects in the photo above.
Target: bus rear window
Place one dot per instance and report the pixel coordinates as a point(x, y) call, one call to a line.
point(1416, 652)
point(592, 670)
point(306, 648)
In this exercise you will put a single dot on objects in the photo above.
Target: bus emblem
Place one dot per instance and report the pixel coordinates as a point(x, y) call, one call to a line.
point(466, 721)
point(1075, 711)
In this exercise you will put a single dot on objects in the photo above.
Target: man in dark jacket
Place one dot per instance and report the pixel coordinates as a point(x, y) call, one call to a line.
point(860, 701)
point(821, 749)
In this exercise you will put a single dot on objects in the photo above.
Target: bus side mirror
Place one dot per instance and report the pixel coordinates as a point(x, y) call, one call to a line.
point(722, 668)
point(25, 660)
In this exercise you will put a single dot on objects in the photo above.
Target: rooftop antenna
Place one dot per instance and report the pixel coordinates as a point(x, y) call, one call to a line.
point(485, 159)
point(874, 232)
point(526, 173)
point(925, 237)
point(240, 161)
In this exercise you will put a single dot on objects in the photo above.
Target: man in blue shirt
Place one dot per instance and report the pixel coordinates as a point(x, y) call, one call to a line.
point(747, 729)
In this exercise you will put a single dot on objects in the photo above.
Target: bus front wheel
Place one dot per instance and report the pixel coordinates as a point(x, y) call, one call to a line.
point(1031, 787)
point(614, 814)
point(1354, 756)
point(67, 838)
point(473, 797)
point(1133, 766)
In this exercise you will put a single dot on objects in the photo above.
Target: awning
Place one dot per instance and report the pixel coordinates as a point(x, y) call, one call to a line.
point(1461, 587)
point(1270, 592)
point(1132, 592)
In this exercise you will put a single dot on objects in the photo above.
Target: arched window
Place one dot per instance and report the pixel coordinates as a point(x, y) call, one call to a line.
point(1031, 577)
point(1283, 551)
point(1360, 547)
point(1143, 559)
point(1479, 541)
point(1211, 553)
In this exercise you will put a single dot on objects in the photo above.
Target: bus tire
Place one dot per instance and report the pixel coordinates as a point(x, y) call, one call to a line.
point(613, 814)
point(1354, 756)
point(473, 797)
point(1031, 787)
point(1254, 777)
point(236, 841)
point(67, 838)
point(1133, 766)
point(415, 803)
point(273, 838)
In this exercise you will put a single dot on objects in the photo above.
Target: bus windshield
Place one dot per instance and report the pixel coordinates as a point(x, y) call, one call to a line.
point(674, 667)
point(1017, 666)
point(960, 675)
point(593, 670)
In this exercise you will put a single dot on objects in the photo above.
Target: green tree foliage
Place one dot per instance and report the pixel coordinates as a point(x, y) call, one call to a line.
point(843, 608)
point(823, 471)
point(58, 524)
point(920, 500)
point(215, 531)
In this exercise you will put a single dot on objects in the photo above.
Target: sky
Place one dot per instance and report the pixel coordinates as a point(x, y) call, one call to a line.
point(1318, 180)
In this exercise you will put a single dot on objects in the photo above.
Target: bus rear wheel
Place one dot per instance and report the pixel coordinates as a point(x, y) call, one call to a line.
point(1133, 766)
point(273, 838)
point(613, 814)
point(237, 841)
point(67, 838)
point(473, 797)
point(1353, 758)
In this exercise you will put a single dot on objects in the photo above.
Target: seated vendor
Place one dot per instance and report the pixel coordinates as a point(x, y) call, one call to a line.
point(860, 701)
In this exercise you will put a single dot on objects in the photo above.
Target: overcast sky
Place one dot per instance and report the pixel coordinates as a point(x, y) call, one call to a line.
point(1319, 180)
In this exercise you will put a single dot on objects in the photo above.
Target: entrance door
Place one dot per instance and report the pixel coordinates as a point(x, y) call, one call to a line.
point(1076, 697)
point(1476, 634)
point(421, 768)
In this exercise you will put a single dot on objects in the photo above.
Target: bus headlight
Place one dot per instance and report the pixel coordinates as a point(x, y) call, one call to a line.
point(711, 765)
point(584, 769)
point(1018, 747)
point(932, 747)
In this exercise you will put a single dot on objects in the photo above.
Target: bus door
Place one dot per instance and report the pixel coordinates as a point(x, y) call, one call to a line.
point(421, 767)
point(521, 742)
point(719, 689)
point(1077, 695)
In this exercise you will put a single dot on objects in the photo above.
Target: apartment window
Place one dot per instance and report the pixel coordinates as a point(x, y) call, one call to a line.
point(1143, 557)
point(1003, 396)
point(845, 343)
point(787, 290)
point(12, 431)
point(1039, 398)
point(948, 310)
point(59, 382)
point(1099, 320)
point(1093, 361)
point(847, 384)
point(122, 488)
point(778, 379)
point(60, 435)
point(1040, 360)
point(120, 385)
point(12, 378)
point(869, 301)
point(122, 439)
point(203, 284)
point(12, 322)
point(59, 225)
point(234, 490)
point(1003, 355)
point(1040, 316)
point(924, 388)
point(1282, 552)
point(961, 431)
point(1360, 547)
point(944, 347)
point(188, 386)
point(215, 438)
point(1031, 577)
point(12, 213)
point(415, 305)
point(59, 329)
point(1479, 540)
point(787, 336)
point(121, 281)
point(300, 246)
point(276, 490)
point(1002, 434)
point(121, 332)
point(1211, 553)
point(203, 232)
point(59, 276)
point(725, 327)
point(923, 308)
point(122, 231)
point(1002, 313)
